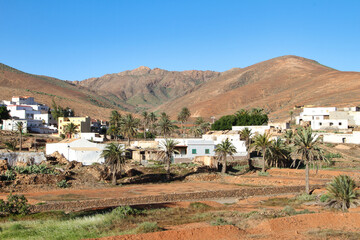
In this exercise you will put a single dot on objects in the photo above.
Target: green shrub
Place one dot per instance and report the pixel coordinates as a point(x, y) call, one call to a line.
point(289, 210)
point(306, 197)
point(332, 155)
point(62, 184)
point(125, 211)
point(198, 205)
point(220, 222)
point(15, 205)
point(37, 169)
point(16, 227)
point(263, 174)
point(147, 227)
point(10, 175)
point(324, 198)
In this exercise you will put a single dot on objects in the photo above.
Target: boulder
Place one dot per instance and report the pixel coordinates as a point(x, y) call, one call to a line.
point(99, 172)
point(74, 165)
point(60, 159)
point(3, 165)
point(133, 172)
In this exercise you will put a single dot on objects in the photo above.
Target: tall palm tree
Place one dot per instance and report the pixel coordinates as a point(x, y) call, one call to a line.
point(114, 155)
point(262, 142)
point(129, 126)
point(167, 151)
point(20, 129)
point(145, 121)
point(70, 129)
point(278, 154)
point(307, 145)
point(183, 117)
point(224, 149)
point(246, 134)
point(165, 125)
point(291, 116)
point(115, 124)
point(201, 127)
point(289, 136)
point(153, 119)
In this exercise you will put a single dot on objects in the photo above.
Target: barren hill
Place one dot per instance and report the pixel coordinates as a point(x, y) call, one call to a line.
point(17, 83)
point(144, 88)
point(276, 85)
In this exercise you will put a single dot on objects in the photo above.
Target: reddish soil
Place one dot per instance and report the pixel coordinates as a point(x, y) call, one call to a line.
point(199, 233)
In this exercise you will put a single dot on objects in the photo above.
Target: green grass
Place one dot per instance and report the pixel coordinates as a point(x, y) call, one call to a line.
point(334, 234)
point(292, 202)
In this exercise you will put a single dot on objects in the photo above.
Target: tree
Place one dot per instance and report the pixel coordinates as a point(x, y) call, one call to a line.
point(20, 128)
point(246, 134)
point(145, 120)
point(200, 127)
point(222, 150)
point(4, 113)
point(114, 155)
point(291, 116)
point(262, 142)
point(289, 136)
point(342, 193)
point(167, 150)
point(165, 125)
point(278, 154)
point(153, 119)
point(115, 124)
point(70, 129)
point(183, 117)
point(56, 111)
point(307, 145)
point(129, 126)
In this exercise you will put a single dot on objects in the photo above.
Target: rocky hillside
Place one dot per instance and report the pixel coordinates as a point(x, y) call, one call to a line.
point(145, 88)
point(276, 85)
point(85, 102)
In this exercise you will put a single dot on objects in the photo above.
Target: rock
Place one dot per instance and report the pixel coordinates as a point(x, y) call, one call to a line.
point(59, 158)
point(99, 172)
point(3, 165)
point(74, 165)
point(21, 164)
point(133, 172)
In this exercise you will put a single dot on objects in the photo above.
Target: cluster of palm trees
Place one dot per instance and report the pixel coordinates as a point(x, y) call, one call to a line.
point(278, 152)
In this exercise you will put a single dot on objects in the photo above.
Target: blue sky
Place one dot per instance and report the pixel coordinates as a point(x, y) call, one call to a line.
point(78, 39)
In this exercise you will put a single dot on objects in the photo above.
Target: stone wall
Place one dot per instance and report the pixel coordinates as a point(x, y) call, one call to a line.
point(165, 198)
point(14, 157)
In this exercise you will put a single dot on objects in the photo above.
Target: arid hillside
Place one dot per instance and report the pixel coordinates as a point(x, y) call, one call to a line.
point(84, 102)
point(145, 88)
point(277, 85)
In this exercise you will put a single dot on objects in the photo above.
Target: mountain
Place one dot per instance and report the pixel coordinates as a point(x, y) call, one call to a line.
point(277, 85)
point(145, 88)
point(84, 102)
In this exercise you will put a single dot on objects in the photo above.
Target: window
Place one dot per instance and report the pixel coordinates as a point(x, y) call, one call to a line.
point(193, 151)
point(331, 124)
point(207, 151)
point(340, 123)
point(320, 123)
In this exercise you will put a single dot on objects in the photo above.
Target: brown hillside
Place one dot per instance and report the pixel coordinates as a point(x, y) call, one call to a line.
point(144, 88)
point(16, 83)
point(276, 85)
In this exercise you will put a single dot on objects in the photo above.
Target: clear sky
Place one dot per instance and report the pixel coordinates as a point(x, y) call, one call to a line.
point(78, 39)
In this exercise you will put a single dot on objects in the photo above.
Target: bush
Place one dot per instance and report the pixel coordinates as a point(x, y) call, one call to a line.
point(62, 184)
point(306, 197)
point(125, 211)
point(198, 205)
point(15, 205)
point(220, 222)
point(332, 155)
point(147, 227)
point(342, 193)
point(264, 174)
point(324, 198)
point(10, 175)
point(37, 169)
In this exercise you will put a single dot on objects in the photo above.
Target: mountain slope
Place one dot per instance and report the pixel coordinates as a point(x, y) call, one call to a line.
point(276, 85)
point(144, 88)
point(84, 102)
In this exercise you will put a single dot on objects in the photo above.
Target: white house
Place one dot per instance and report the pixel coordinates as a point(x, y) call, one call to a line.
point(91, 136)
point(79, 150)
point(342, 138)
point(330, 124)
point(254, 129)
point(10, 125)
point(314, 113)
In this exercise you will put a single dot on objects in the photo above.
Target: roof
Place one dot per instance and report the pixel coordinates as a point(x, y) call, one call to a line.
point(70, 140)
point(225, 132)
point(85, 148)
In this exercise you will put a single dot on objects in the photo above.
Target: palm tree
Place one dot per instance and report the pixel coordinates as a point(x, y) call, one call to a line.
point(307, 145)
point(278, 154)
point(165, 125)
point(20, 129)
point(114, 155)
point(129, 126)
point(70, 129)
point(246, 134)
point(262, 142)
point(289, 136)
point(153, 119)
point(291, 116)
point(222, 150)
point(342, 193)
point(201, 127)
point(183, 117)
point(167, 150)
point(115, 124)
point(145, 120)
